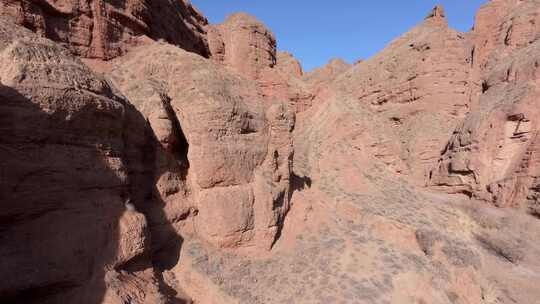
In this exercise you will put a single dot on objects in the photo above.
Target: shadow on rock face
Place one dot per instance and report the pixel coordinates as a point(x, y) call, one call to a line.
point(144, 152)
point(109, 23)
point(64, 181)
point(300, 182)
point(61, 201)
point(297, 183)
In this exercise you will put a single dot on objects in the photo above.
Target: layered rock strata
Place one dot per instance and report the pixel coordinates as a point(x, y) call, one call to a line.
point(245, 45)
point(493, 153)
point(106, 29)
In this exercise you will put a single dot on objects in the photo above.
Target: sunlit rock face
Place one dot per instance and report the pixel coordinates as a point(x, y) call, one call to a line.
point(147, 156)
point(237, 150)
point(493, 155)
point(404, 102)
point(248, 48)
point(106, 29)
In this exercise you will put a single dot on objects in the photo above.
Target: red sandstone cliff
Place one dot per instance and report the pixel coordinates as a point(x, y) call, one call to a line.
point(493, 154)
point(202, 165)
point(246, 46)
point(105, 29)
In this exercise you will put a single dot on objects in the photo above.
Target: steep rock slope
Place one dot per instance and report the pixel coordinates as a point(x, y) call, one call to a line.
point(243, 43)
point(493, 155)
point(406, 100)
point(68, 235)
point(104, 29)
point(137, 176)
point(391, 244)
point(224, 156)
point(288, 64)
point(359, 233)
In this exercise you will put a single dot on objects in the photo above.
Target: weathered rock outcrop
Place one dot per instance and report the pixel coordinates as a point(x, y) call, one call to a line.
point(104, 29)
point(249, 48)
point(319, 78)
point(243, 43)
point(278, 84)
point(501, 27)
point(404, 102)
point(288, 65)
point(374, 118)
point(67, 234)
point(225, 181)
point(493, 155)
point(171, 178)
point(224, 156)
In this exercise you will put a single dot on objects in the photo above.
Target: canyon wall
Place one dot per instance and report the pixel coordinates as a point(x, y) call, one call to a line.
point(404, 102)
point(105, 29)
point(147, 156)
point(67, 232)
point(247, 47)
point(128, 167)
point(492, 155)
point(222, 152)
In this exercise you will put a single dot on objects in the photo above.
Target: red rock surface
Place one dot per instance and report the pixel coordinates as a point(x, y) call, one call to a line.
point(67, 233)
point(402, 104)
point(493, 154)
point(169, 177)
point(288, 65)
point(243, 43)
point(105, 29)
point(246, 46)
point(320, 78)
point(234, 169)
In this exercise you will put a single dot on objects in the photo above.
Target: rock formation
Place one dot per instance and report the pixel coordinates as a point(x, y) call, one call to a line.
point(406, 100)
point(320, 77)
point(232, 170)
point(149, 157)
point(493, 155)
point(246, 46)
point(243, 43)
point(105, 29)
point(288, 65)
point(67, 236)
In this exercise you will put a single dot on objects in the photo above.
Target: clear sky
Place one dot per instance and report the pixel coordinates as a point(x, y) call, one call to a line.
point(315, 31)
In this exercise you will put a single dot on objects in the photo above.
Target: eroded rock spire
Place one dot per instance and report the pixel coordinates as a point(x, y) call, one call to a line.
point(436, 12)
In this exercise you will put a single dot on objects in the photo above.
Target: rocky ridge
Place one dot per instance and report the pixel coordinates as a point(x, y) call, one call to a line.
point(154, 158)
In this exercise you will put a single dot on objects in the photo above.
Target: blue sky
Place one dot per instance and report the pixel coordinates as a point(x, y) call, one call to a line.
point(315, 31)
